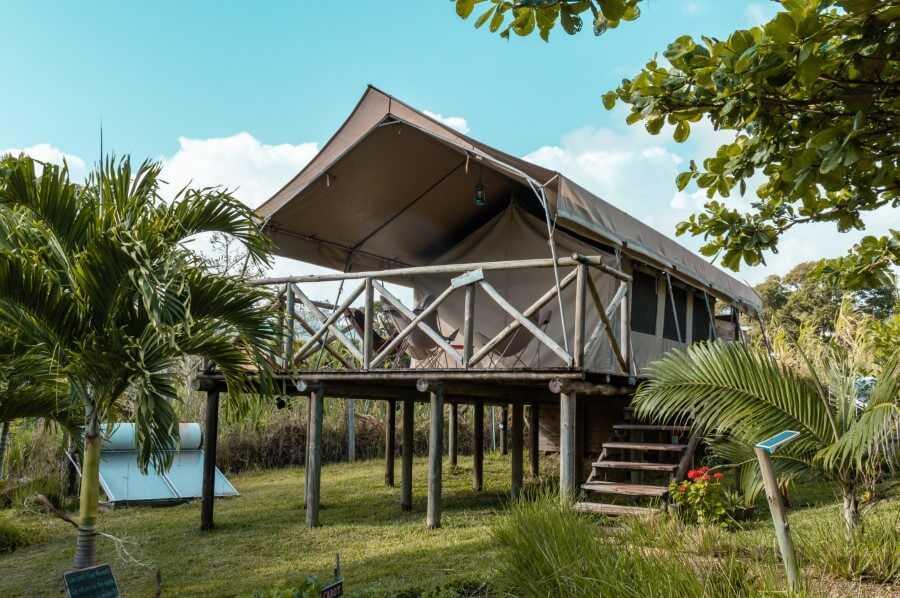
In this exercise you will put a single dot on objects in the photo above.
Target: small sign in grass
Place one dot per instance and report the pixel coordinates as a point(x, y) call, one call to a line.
point(93, 582)
point(770, 445)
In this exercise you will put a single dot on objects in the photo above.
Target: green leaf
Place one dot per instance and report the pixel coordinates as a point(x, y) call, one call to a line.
point(682, 131)
point(484, 16)
point(496, 21)
point(654, 124)
point(809, 69)
point(609, 100)
point(745, 61)
point(464, 8)
point(682, 180)
point(781, 28)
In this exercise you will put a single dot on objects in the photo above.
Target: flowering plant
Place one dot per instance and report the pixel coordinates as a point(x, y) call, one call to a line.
point(701, 498)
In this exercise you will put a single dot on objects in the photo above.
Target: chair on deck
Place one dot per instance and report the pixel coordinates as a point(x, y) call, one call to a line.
point(417, 344)
point(515, 345)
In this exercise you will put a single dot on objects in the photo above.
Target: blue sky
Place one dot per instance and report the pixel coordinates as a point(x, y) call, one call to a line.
point(243, 94)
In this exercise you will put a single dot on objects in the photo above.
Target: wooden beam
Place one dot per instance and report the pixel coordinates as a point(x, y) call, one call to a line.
point(568, 483)
point(478, 446)
point(415, 321)
point(350, 406)
point(435, 456)
point(469, 326)
point(595, 261)
point(328, 324)
point(453, 435)
point(504, 428)
point(210, 437)
point(625, 326)
point(530, 326)
point(617, 351)
point(317, 313)
point(289, 328)
point(326, 344)
point(390, 439)
point(313, 491)
point(518, 447)
point(515, 324)
point(407, 466)
point(580, 296)
point(368, 323)
point(588, 388)
point(534, 452)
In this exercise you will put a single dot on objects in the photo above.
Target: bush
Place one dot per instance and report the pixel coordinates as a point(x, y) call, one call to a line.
point(702, 499)
point(547, 549)
point(11, 536)
point(872, 554)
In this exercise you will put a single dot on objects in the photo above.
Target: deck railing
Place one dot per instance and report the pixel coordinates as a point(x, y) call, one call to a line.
point(325, 330)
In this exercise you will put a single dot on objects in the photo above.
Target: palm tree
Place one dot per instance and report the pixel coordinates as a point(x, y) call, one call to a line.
point(748, 395)
point(99, 281)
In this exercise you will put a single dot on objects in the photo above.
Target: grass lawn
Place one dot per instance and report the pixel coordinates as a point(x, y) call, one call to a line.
point(261, 541)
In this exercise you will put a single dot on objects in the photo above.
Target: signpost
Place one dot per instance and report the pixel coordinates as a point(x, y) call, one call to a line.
point(776, 504)
point(336, 587)
point(93, 582)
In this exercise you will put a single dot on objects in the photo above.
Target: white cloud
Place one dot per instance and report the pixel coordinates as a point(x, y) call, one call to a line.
point(52, 154)
point(454, 122)
point(253, 170)
point(759, 14)
point(693, 7)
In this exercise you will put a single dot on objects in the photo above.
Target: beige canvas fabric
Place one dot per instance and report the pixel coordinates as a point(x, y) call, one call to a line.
point(395, 188)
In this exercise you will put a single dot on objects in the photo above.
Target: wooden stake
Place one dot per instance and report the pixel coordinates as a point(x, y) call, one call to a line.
point(534, 453)
point(435, 456)
point(406, 482)
point(478, 447)
point(390, 439)
point(210, 435)
point(315, 458)
point(453, 433)
point(567, 423)
point(779, 518)
point(518, 429)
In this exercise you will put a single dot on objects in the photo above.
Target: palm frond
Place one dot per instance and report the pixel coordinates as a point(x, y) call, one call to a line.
point(729, 388)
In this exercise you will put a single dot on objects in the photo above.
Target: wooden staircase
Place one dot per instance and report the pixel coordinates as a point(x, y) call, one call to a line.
point(638, 462)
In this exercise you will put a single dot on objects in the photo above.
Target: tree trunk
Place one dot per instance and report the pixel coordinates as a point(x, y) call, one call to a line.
point(86, 545)
point(850, 511)
point(4, 437)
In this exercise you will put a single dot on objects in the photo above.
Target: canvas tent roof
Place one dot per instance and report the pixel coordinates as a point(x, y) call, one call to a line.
point(394, 187)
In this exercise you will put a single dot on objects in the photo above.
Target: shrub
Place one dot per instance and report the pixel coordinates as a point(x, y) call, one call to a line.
point(549, 550)
point(11, 536)
point(870, 554)
point(701, 498)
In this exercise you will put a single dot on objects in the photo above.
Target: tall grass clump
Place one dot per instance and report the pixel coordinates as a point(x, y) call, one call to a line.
point(547, 549)
point(871, 554)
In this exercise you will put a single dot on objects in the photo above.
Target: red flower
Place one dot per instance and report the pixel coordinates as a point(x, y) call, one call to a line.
point(699, 473)
point(718, 475)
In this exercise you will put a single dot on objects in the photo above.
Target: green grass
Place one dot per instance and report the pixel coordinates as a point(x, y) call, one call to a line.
point(261, 540)
point(262, 543)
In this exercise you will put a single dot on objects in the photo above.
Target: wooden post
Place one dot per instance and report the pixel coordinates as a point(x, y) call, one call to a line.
point(779, 518)
point(314, 461)
point(625, 328)
point(406, 482)
point(469, 325)
point(210, 436)
point(369, 299)
point(435, 455)
point(478, 447)
point(504, 422)
point(567, 423)
point(289, 328)
point(518, 446)
point(351, 429)
point(453, 434)
point(580, 296)
point(534, 453)
point(390, 439)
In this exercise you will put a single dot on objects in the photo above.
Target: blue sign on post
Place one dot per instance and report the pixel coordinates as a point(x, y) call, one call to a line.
point(93, 582)
point(770, 445)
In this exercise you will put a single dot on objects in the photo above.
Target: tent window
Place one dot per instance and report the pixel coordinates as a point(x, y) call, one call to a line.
point(700, 325)
point(669, 330)
point(643, 303)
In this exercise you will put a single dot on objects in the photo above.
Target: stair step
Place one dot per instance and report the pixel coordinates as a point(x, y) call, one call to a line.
point(650, 428)
point(635, 465)
point(645, 446)
point(625, 489)
point(600, 508)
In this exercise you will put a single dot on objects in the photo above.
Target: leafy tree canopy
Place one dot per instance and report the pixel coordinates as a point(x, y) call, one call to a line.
point(813, 99)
